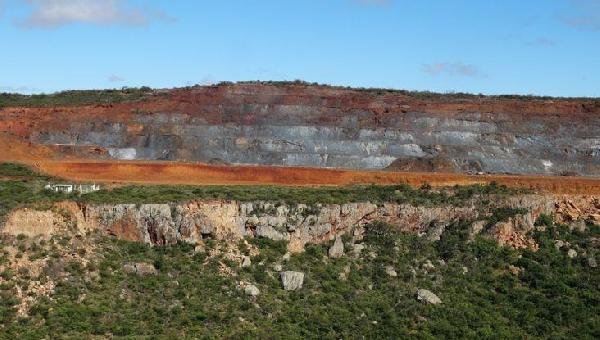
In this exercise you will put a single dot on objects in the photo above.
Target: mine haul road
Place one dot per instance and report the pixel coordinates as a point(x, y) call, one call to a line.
point(181, 173)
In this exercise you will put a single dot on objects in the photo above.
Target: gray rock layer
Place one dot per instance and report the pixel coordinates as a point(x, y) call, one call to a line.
point(295, 135)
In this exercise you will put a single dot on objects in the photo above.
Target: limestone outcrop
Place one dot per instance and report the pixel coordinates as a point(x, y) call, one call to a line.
point(426, 296)
point(292, 280)
point(162, 224)
point(62, 217)
point(299, 224)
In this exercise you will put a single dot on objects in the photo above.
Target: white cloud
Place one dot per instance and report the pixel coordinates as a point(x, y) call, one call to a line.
point(452, 69)
point(586, 16)
point(55, 13)
point(115, 79)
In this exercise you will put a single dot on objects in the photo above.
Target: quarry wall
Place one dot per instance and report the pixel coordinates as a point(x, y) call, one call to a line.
point(322, 127)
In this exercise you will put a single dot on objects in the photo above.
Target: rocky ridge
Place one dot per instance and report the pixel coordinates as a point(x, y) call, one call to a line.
point(193, 222)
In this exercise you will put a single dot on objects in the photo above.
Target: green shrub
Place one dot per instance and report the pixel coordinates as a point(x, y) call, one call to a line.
point(17, 170)
point(453, 240)
point(545, 220)
point(503, 214)
point(73, 98)
point(311, 196)
point(381, 235)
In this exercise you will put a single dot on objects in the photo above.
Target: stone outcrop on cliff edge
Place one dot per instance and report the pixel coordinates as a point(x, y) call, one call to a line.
point(192, 222)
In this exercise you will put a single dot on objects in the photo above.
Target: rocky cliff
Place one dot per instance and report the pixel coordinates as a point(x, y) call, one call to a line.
point(299, 125)
point(195, 221)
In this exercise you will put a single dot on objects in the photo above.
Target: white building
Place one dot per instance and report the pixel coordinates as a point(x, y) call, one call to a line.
point(71, 188)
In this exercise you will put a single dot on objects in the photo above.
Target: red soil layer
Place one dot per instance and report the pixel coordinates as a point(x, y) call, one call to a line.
point(20, 122)
point(199, 174)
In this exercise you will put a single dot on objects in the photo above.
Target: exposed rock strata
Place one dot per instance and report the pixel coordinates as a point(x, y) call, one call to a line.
point(63, 217)
point(163, 224)
point(321, 127)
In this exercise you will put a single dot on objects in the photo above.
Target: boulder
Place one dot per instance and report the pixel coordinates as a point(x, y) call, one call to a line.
point(427, 296)
point(515, 270)
point(357, 248)
point(579, 225)
point(558, 244)
point(514, 232)
point(271, 233)
point(428, 266)
point(476, 228)
point(292, 280)
point(337, 250)
point(145, 269)
point(246, 262)
point(391, 271)
point(591, 262)
point(344, 273)
point(572, 253)
point(207, 229)
point(129, 268)
point(435, 231)
point(251, 290)
point(140, 269)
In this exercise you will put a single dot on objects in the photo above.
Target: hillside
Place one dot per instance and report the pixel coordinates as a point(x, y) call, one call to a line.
point(294, 210)
point(479, 261)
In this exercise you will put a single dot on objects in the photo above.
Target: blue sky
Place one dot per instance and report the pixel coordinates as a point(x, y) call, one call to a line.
point(544, 47)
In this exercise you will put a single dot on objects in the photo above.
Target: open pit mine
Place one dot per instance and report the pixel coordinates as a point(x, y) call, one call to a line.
point(298, 125)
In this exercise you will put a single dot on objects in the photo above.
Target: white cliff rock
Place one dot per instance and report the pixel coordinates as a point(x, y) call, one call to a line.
point(427, 296)
point(292, 280)
point(337, 249)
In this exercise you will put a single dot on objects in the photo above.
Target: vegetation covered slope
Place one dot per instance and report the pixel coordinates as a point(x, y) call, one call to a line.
point(73, 97)
point(84, 285)
point(487, 291)
point(108, 96)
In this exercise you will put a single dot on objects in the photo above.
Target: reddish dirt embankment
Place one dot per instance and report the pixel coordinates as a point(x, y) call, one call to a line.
point(191, 173)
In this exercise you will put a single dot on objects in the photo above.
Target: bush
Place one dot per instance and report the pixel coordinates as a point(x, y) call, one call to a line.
point(73, 98)
point(17, 170)
point(503, 214)
point(377, 194)
point(381, 235)
point(545, 220)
